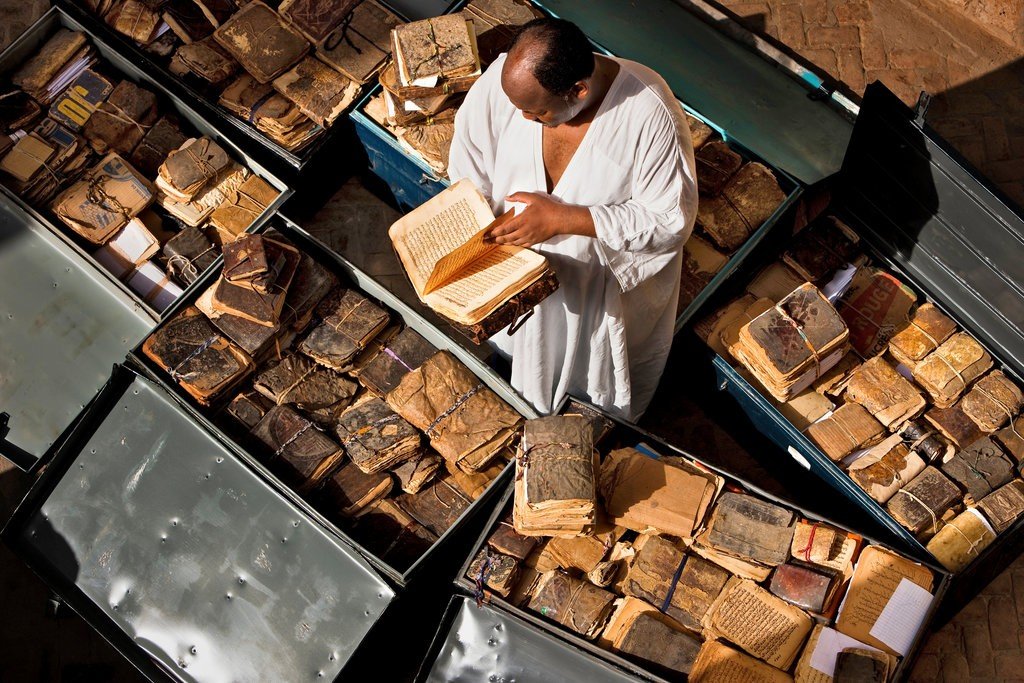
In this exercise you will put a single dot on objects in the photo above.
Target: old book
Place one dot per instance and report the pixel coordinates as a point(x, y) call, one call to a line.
point(701, 262)
point(716, 165)
point(885, 468)
point(436, 507)
point(34, 75)
point(300, 453)
point(644, 493)
point(556, 478)
point(349, 490)
point(190, 168)
point(877, 577)
point(431, 141)
point(402, 354)
point(474, 484)
point(946, 372)
point(584, 553)
point(573, 603)
point(376, 437)
point(256, 340)
point(494, 570)
point(680, 585)
point(980, 468)
point(821, 248)
point(819, 662)
point(1011, 438)
point(860, 665)
point(466, 422)
point(774, 282)
point(27, 157)
point(749, 198)
point(85, 94)
point(415, 473)
point(350, 321)
point(321, 93)
point(130, 247)
point(120, 122)
point(849, 428)
point(189, 254)
point(439, 47)
point(244, 258)
point(160, 140)
point(104, 200)
point(263, 44)
point(886, 394)
point(710, 327)
point(387, 531)
point(961, 540)
point(400, 110)
point(453, 267)
point(875, 307)
point(260, 300)
point(790, 345)
point(954, 424)
point(198, 209)
point(135, 20)
point(248, 408)
point(700, 132)
point(361, 45)
point(187, 20)
point(926, 442)
point(509, 314)
point(505, 539)
point(207, 60)
point(750, 528)
point(1003, 506)
point(321, 393)
point(730, 333)
point(719, 663)
point(242, 206)
point(823, 546)
point(315, 19)
point(920, 504)
point(803, 587)
point(992, 401)
point(202, 361)
point(928, 328)
point(641, 634)
point(270, 112)
point(496, 23)
point(17, 110)
point(760, 623)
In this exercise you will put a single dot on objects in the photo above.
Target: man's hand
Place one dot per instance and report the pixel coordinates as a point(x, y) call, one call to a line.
point(543, 218)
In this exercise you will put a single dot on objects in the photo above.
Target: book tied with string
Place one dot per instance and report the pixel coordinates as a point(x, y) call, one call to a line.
point(480, 286)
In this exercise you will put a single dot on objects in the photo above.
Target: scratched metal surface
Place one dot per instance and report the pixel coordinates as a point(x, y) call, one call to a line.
point(211, 572)
point(63, 325)
point(483, 644)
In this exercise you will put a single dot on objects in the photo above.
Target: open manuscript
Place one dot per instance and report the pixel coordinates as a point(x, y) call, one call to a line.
point(453, 267)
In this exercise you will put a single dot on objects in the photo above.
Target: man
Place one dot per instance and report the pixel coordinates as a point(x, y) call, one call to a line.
point(596, 153)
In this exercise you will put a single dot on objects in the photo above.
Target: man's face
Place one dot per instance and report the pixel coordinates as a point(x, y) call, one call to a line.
point(534, 101)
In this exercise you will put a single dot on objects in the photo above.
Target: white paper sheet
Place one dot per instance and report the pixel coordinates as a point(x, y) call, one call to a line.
point(902, 616)
point(830, 644)
point(905, 371)
point(839, 283)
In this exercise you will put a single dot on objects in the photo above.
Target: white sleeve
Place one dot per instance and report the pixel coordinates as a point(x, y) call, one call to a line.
point(642, 235)
point(472, 153)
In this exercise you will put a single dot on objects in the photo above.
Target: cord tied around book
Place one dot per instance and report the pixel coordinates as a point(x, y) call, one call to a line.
point(97, 195)
point(354, 436)
point(992, 397)
point(208, 170)
point(480, 579)
point(430, 430)
point(672, 586)
point(340, 33)
point(122, 116)
point(806, 550)
point(186, 266)
point(972, 550)
point(395, 357)
point(175, 371)
point(290, 440)
point(931, 513)
point(803, 336)
point(935, 342)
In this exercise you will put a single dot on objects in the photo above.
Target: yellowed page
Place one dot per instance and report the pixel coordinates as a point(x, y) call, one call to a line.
point(719, 663)
point(486, 284)
point(476, 247)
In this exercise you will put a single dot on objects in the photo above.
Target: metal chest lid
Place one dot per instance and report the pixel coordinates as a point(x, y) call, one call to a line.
point(183, 556)
point(752, 100)
point(932, 215)
point(486, 644)
point(63, 324)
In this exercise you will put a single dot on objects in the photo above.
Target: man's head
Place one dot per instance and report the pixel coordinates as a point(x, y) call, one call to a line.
point(547, 72)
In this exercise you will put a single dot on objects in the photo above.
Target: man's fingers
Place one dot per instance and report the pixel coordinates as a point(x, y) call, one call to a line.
point(506, 228)
point(521, 197)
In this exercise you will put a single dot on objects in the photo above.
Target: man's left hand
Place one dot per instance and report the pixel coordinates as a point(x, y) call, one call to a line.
point(542, 218)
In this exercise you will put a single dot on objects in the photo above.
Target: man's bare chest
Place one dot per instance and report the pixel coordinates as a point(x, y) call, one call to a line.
point(559, 148)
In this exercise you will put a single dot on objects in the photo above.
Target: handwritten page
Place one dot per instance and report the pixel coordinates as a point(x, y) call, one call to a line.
point(830, 644)
point(902, 617)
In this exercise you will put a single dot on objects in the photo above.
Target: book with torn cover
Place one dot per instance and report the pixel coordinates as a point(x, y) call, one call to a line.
point(505, 539)
point(270, 112)
point(196, 356)
point(135, 20)
point(885, 468)
point(244, 258)
point(571, 602)
point(750, 528)
point(241, 207)
point(206, 59)
point(890, 397)
point(315, 19)
point(399, 355)
point(261, 42)
point(376, 437)
point(849, 428)
point(190, 168)
point(260, 300)
point(642, 634)
point(299, 452)
point(926, 442)
point(360, 46)
point(928, 328)
point(466, 422)
point(248, 408)
point(749, 198)
point(922, 502)
point(122, 120)
point(297, 380)
point(947, 371)
point(256, 340)
point(416, 472)
point(196, 211)
point(453, 268)
point(556, 478)
point(349, 322)
point(85, 94)
point(437, 48)
point(993, 401)
point(104, 200)
point(321, 93)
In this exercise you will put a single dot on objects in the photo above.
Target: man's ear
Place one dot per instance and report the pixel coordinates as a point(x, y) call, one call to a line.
point(579, 91)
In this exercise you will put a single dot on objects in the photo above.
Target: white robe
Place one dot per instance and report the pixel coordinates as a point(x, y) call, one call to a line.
point(605, 334)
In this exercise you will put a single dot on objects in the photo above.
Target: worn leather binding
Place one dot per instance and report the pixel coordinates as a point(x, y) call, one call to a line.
point(496, 23)
point(716, 165)
point(375, 437)
point(387, 531)
point(349, 322)
point(885, 468)
point(34, 75)
point(321, 393)
point(443, 46)
point(436, 507)
point(513, 312)
point(263, 44)
point(196, 356)
point(360, 45)
point(160, 140)
point(821, 248)
point(849, 428)
point(248, 408)
point(954, 424)
point(657, 644)
point(1004, 506)
point(505, 539)
point(321, 93)
point(920, 505)
point(206, 59)
point(993, 401)
point(750, 528)
point(189, 169)
point(886, 394)
point(402, 354)
point(315, 19)
point(244, 258)
point(189, 254)
point(928, 328)
point(496, 571)
point(242, 207)
point(270, 112)
point(980, 468)
point(414, 474)
point(122, 121)
point(298, 451)
point(571, 602)
point(803, 587)
point(135, 20)
point(747, 201)
point(349, 490)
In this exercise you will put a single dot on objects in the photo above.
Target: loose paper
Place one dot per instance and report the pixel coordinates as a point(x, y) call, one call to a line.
point(830, 644)
point(839, 284)
point(902, 617)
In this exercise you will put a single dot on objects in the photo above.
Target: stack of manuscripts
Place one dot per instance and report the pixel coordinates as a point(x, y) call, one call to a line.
point(687, 577)
point(288, 72)
point(914, 412)
point(735, 198)
point(375, 427)
point(435, 61)
point(152, 204)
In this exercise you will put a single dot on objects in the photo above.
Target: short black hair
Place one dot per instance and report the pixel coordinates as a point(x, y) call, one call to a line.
point(567, 56)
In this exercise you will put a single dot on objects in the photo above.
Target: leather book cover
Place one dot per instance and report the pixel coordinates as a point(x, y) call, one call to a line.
point(388, 532)
point(821, 248)
point(189, 254)
point(1011, 438)
point(218, 11)
point(716, 165)
point(926, 441)
point(436, 507)
point(310, 285)
point(85, 94)
point(571, 602)
point(442, 46)
point(980, 468)
point(122, 120)
point(402, 354)
point(375, 437)
point(207, 60)
point(349, 322)
point(658, 646)
point(993, 401)
point(349, 490)
point(1003, 506)
point(321, 93)
point(262, 43)
point(496, 23)
point(466, 422)
point(244, 258)
point(359, 47)
point(432, 142)
point(321, 393)
point(160, 140)
point(920, 505)
point(505, 539)
point(258, 341)
point(262, 305)
point(954, 424)
point(510, 312)
point(248, 408)
point(187, 20)
point(750, 528)
point(556, 463)
point(498, 572)
point(188, 169)
point(928, 328)
point(299, 452)
point(196, 356)
point(242, 207)
point(888, 396)
point(35, 74)
point(701, 262)
point(861, 666)
point(17, 110)
point(946, 372)
point(104, 200)
point(414, 474)
point(315, 19)
point(803, 587)
point(747, 201)
point(885, 468)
